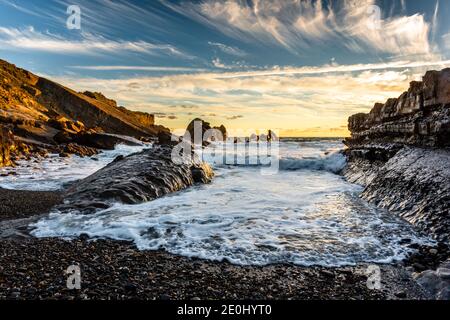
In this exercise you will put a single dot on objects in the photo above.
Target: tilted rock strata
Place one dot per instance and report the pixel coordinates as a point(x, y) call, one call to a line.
point(414, 183)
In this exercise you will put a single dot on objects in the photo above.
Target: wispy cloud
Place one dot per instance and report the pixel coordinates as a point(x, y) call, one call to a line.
point(219, 64)
point(297, 25)
point(235, 117)
point(446, 38)
point(19, 8)
point(30, 39)
point(228, 49)
point(334, 68)
point(434, 21)
point(139, 68)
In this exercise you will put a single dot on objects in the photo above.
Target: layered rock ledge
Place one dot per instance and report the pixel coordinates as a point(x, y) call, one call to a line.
point(419, 117)
point(400, 153)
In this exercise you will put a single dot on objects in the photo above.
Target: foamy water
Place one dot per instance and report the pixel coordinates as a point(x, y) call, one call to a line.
point(54, 172)
point(305, 214)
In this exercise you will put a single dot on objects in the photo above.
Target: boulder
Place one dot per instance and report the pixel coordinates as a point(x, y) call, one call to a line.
point(137, 178)
point(64, 124)
point(165, 138)
point(436, 283)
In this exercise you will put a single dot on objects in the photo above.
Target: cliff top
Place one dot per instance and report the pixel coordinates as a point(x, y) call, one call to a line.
point(26, 96)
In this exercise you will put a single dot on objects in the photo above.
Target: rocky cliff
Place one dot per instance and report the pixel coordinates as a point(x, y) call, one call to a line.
point(419, 117)
point(37, 110)
point(400, 153)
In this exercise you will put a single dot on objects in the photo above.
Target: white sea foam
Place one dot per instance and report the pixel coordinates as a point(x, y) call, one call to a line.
point(304, 215)
point(53, 172)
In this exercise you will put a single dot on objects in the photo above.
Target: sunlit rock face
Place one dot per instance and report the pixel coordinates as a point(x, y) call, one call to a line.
point(6, 146)
point(51, 118)
point(419, 117)
point(400, 153)
point(137, 178)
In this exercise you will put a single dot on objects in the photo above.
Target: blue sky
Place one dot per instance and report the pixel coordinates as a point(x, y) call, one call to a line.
point(297, 66)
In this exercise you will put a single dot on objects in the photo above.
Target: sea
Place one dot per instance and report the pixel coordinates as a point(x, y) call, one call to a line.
point(303, 212)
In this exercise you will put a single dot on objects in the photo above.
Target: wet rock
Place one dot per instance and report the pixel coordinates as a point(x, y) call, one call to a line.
point(437, 283)
point(64, 155)
point(401, 294)
point(413, 183)
point(130, 287)
point(433, 251)
point(166, 138)
point(429, 280)
point(443, 273)
point(444, 294)
point(137, 178)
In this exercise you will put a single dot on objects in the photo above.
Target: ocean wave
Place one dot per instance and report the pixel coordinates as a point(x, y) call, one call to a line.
point(333, 162)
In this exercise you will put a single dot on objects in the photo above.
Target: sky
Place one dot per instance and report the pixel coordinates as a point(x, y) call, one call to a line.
point(299, 67)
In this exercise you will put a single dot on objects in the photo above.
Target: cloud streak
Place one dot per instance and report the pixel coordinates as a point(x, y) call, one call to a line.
point(297, 25)
point(30, 39)
point(138, 68)
point(228, 49)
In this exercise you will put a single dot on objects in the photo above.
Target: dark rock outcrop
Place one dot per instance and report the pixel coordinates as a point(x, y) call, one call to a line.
point(134, 179)
point(222, 130)
point(414, 183)
point(205, 133)
point(436, 282)
point(399, 152)
point(196, 130)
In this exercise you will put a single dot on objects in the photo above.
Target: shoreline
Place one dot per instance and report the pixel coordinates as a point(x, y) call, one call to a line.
point(17, 204)
point(117, 270)
point(33, 268)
